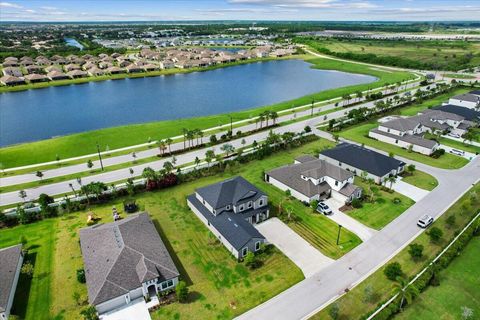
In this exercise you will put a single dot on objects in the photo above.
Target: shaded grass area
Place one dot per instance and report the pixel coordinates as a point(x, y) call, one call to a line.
point(33, 297)
point(385, 208)
point(359, 133)
point(459, 287)
point(117, 137)
point(421, 180)
point(354, 304)
point(219, 286)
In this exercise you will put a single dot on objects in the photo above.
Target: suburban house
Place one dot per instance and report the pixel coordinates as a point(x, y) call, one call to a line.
point(357, 159)
point(309, 178)
point(11, 80)
point(125, 260)
point(468, 114)
point(230, 209)
point(408, 132)
point(11, 71)
point(32, 78)
point(467, 100)
point(11, 260)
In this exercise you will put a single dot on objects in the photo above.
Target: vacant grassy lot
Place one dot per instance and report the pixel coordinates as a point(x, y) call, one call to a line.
point(359, 133)
point(354, 304)
point(421, 180)
point(383, 210)
point(220, 288)
point(459, 287)
point(117, 137)
point(445, 55)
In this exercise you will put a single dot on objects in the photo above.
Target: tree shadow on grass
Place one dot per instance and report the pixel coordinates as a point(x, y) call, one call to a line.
point(22, 292)
point(183, 273)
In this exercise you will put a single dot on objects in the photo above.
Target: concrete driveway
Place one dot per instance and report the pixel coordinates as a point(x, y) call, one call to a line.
point(302, 253)
point(136, 309)
point(408, 190)
point(361, 230)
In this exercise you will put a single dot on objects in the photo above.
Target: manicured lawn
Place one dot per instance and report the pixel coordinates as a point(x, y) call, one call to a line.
point(359, 133)
point(353, 304)
point(421, 180)
point(459, 287)
point(383, 210)
point(456, 144)
point(220, 287)
point(117, 137)
point(37, 291)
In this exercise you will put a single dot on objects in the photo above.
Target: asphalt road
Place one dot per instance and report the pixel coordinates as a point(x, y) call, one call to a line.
point(311, 295)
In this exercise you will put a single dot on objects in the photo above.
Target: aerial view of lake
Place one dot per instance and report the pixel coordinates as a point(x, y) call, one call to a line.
point(54, 111)
point(74, 43)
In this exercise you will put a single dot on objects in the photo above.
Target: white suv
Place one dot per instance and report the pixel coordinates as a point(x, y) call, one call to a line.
point(323, 208)
point(425, 221)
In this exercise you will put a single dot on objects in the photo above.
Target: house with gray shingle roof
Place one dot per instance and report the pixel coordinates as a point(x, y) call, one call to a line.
point(229, 209)
point(309, 178)
point(467, 100)
point(125, 260)
point(11, 260)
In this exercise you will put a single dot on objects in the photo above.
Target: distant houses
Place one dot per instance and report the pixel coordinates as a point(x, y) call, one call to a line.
point(124, 261)
point(229, 209)
point(11, 259)
point(469, 100)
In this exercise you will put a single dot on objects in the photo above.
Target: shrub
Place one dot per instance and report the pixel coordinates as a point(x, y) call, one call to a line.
point(416, 251)
point(393, 271)
point(182, 291)
point(451, 221)
point(81, 276)
point(314, 204)
point(356, 203)
point(251, 260)
point(435, 234)
point(89, 313)
point(27, 269)
point(334, 311)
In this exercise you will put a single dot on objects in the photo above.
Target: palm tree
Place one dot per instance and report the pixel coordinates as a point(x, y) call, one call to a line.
point(392, 180)
point(169, 141)
point(200, 134)
point(79, 181)
point(209, 156)
point(190, 136)
point(267, 116)
point(227, 148)
point(149, 174)
point(162, 146)
point(168, 166)
point(22, 194)
point(261, 118)
point(359, 95)
point(184, 137)
point(197, 162)
point(405, 291)
point(370, 183)
point(71, 187)
point(273, 116)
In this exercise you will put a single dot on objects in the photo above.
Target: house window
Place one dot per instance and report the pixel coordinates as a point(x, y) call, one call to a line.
point(396, 141)
point(260, 203)
point(228, 207)
point(257, 245)
point(336, 183)
point(339, 164)
point(167, 284)
point(244, 251)
point(249, 204)
point(241, 207)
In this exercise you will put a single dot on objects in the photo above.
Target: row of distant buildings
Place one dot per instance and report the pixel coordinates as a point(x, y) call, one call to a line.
point(456, 117)
point(26, 69)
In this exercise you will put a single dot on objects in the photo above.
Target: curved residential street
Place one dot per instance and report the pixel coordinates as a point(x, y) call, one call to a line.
point(314, 293)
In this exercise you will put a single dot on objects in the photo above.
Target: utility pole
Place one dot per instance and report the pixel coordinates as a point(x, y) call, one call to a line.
point(231, 125)
point(338, 236)
point(313, 102)
point(99, 156)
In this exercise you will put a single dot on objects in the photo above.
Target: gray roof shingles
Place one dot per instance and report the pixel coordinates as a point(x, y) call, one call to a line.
point(9, 260)
point(363, 159)
point(121, 255)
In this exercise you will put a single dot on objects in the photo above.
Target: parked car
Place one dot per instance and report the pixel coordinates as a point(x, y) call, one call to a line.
point(324, 208)
point(425, 221)
point(454, 135)
point(457, 152)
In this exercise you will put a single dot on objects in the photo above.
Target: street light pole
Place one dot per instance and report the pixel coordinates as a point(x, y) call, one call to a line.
point(313, 102)
point(99, 156)
point(338, 236)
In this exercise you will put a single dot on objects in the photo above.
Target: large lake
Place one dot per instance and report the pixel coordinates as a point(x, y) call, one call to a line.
point(54, 111)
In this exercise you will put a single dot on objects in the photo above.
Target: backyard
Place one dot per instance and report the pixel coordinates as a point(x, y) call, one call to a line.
point(358, 301)
point(220, 287)
point(458, 288)
point(385, 207)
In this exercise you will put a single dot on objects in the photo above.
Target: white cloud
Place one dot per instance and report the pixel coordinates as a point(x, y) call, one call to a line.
point(10, 5)
point(312, 4)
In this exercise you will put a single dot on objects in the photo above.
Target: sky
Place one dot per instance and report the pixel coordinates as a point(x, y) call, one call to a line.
point(168, 10)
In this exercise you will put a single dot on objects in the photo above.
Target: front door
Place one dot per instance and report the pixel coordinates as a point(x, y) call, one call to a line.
point(254, 219)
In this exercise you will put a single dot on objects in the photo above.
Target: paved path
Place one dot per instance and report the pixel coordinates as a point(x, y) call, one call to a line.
point(314, 293)
point(302, 253)
point(408, 190)
point(361, 230)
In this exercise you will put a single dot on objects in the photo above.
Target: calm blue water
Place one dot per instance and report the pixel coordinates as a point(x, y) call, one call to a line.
point(73, 43)
point(44, 113)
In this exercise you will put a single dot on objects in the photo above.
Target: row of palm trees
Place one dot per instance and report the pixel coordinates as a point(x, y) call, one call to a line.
point(190, 136)
point(265, 117)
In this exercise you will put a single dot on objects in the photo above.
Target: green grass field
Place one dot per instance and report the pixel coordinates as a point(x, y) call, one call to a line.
point(383, 210)
point(216, 281)
point(459, 287)
point(353, 305)
point(445, 54)
point(117, 137)
point(456, 144)
point(421, 180)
